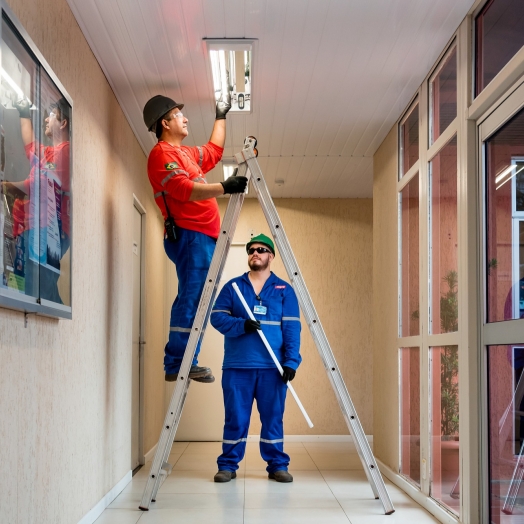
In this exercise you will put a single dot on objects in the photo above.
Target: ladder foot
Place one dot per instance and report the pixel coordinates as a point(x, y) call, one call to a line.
point(390, 512)
point(143, 509)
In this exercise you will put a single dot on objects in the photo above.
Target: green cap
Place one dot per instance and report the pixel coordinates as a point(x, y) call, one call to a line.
point(261, 239)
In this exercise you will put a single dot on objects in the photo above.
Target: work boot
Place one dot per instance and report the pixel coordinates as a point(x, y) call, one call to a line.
point(194, 373)
point(206, 380)
point(282, 475)
point(225, 476)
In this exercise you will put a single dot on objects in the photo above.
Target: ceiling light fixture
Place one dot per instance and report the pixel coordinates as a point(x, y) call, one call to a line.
point(232, 70)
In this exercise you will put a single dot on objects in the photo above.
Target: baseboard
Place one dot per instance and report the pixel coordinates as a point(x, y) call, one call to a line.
point(423, 500)
point(150, 454)
point(312, 438)
point(95, 512)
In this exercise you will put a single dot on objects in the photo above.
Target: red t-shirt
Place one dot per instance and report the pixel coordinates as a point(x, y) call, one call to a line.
point(52, 159)
point(172, 172)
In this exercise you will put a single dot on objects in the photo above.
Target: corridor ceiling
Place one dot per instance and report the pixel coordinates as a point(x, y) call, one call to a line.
point(330, 77)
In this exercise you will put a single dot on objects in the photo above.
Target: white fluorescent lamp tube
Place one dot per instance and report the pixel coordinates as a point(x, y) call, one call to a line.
point(12, 83)
point(504, 173)
point(508, 179)
point(223, 76)
point(273, 356)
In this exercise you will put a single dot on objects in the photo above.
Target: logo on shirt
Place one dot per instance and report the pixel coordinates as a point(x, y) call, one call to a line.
point(171, 166)
point(280, 287)
point(50, 165)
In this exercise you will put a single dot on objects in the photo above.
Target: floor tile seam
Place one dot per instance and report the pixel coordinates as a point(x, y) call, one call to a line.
point(336, 498)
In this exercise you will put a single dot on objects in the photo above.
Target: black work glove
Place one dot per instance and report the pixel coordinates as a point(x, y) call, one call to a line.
point(289, 374)
point(250, 326)
point(234, 184)
point(223, 106)
point(23, 106)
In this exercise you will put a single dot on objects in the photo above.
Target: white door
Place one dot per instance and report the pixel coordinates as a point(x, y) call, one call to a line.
point(203, 413)
point(135, 350)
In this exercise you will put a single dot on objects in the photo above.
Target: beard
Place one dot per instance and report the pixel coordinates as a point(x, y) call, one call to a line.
point(258, 265)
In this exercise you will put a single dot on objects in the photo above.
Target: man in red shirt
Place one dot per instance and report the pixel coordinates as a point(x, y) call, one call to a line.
point(176, 173)
point(49, 165)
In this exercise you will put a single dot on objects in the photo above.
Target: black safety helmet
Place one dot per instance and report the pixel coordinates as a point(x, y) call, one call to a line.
point(156, 108)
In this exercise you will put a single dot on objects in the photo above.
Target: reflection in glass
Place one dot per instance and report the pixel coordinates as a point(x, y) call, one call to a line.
point(499, 35)
point(504, 221)
point(409, 203)
point(17, 93)
point(36, 177)
point(443, 240)
point(409, 140)
point(443, 96)
point(445, 485)
point(506, 433)
point(410, 417)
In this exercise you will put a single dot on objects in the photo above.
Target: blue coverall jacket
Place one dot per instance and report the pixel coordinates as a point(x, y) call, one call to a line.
point(280, 324)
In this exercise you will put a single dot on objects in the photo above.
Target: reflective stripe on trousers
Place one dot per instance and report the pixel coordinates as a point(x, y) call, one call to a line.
point(241, 387)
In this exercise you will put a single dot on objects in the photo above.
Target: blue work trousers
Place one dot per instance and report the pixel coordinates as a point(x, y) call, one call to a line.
point(191, 254)
point(240, 388)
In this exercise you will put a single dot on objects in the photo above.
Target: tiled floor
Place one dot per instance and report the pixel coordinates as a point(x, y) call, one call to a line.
point(330, 487)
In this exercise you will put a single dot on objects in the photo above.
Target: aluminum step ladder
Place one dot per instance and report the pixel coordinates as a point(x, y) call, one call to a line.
point(160, 469)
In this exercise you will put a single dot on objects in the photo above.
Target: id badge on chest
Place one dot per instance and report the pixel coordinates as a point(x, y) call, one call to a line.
point(260, 310)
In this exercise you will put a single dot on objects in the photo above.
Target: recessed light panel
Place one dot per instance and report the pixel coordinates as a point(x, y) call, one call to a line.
point(232, 70)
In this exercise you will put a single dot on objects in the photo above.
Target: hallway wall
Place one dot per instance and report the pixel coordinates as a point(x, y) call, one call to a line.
point(65, 392)
point(385, 308)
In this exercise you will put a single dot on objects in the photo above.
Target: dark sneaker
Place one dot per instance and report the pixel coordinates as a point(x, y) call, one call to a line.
point(225, 476)
point(281, 475)
point(194, 372)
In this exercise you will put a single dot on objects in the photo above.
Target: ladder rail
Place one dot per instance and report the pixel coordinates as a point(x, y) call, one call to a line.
point(317, 332)
point(176, 404)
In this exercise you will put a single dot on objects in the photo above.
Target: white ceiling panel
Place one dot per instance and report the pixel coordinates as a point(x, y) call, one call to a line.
point(329, 78)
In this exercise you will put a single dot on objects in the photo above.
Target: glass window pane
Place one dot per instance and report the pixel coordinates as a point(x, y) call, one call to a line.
point(19, 209)
point(499, 36)
point(54, 160)
point(410, 320)
point(505, 219)
point(443, 96)
point(506, 432)
point(410, 417)
point(445, 426)
point(409, 140)
point(443, 240)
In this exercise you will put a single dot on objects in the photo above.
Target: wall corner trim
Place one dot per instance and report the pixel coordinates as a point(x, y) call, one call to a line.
point(97, 510)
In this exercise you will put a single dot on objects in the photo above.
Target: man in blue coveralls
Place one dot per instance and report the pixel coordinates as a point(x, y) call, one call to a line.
point(249, 373)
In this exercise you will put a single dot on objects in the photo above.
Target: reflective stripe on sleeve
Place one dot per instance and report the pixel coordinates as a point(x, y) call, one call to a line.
point(158, 195)
point(270, 322)
point(172, 174)
point(275, 441)
point(234, 441)
point(180, 329)
point(291, 318)
point(221, 311)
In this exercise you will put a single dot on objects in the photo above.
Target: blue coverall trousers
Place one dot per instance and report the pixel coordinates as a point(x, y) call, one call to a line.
point(240, 388)
point(191, 254)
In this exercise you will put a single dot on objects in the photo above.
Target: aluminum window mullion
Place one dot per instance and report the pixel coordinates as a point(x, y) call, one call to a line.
point(425, 410)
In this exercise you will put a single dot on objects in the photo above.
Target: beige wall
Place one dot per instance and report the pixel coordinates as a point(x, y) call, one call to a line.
point(65, 392)
point(332, 241)
point(385, 306)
